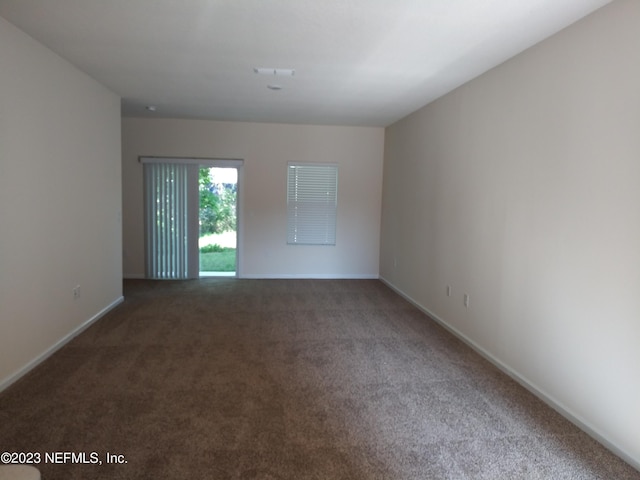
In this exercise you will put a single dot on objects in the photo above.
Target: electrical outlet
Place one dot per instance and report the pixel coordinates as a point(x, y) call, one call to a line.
point(76, 292)
point(466, 300)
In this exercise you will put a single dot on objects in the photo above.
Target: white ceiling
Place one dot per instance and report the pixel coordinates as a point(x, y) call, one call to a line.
point(357, 62)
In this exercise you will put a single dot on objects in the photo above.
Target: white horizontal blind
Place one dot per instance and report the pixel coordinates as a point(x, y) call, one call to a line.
point(166, 220)
point(312, 203)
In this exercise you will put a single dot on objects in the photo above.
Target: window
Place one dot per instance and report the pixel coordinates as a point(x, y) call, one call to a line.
point(312, 202)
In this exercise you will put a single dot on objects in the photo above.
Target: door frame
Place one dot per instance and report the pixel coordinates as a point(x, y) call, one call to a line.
point(193, 202)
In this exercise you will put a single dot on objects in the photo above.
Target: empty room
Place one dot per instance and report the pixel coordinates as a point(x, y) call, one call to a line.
point(305, 239)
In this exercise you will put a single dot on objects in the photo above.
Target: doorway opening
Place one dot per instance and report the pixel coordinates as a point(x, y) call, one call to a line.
point(218, 220)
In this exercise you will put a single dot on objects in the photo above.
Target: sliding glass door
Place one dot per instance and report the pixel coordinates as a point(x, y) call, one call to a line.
point(191, 212)
point(218, 191)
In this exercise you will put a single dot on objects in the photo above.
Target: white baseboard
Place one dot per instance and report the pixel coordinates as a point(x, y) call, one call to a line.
point(317, 276)
point(562, 409)
point(59, 344)
point(276, 276)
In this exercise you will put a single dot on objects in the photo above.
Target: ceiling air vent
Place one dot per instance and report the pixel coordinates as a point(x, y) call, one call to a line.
point(279, 72)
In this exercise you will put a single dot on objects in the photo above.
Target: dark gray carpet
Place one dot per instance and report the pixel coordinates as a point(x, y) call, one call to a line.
point(286, 379)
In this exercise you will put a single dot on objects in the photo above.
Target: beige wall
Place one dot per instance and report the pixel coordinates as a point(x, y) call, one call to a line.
point(60, 201)
point(522, 189)
point(266, 149)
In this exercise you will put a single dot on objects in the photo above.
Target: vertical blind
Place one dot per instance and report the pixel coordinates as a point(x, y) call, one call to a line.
point(166, 220)
point(312, 203)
